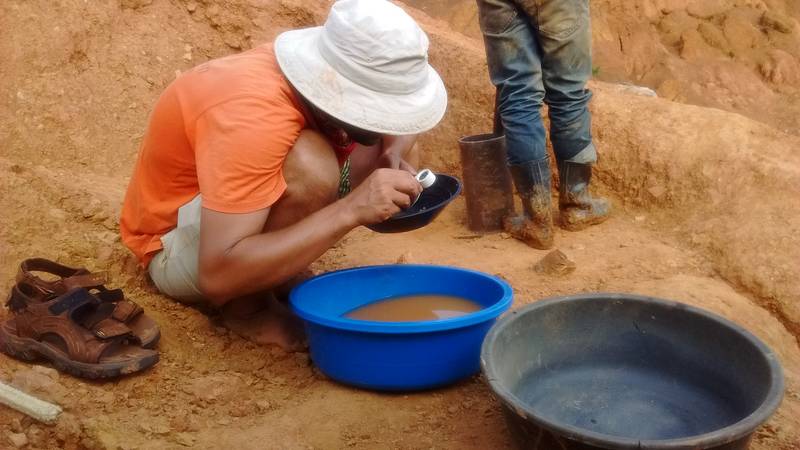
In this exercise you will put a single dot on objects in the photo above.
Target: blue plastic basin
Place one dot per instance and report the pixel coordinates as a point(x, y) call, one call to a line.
point(397, 356)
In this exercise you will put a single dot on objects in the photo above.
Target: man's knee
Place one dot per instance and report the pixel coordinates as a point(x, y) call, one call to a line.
point(311, 170)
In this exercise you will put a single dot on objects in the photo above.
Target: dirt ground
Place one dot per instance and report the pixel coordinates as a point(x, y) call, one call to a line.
point(705, 200)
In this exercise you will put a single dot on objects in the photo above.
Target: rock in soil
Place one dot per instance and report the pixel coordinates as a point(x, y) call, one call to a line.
point(18, 440)
point(555, 263)
point(405, 258)
point(40, 382)
point(777, 22)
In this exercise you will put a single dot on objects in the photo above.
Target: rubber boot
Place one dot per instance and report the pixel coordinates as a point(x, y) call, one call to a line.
point(578, 208)
point(535, 225)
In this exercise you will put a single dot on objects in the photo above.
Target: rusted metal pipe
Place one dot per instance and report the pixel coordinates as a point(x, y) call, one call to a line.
point(487, 181)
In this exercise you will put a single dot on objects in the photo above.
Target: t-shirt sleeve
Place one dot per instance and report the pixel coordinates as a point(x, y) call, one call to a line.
point(240, 148)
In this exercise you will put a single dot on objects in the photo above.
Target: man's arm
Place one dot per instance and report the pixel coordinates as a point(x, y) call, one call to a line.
point(237, 258)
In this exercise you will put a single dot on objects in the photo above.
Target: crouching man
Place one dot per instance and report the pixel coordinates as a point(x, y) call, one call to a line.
point(244, 174)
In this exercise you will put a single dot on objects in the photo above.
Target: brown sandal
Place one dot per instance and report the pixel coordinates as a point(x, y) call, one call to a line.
point(75, 336)
point(115, 305)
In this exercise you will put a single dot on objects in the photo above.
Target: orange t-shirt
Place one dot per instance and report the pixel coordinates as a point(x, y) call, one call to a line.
point(223, 130)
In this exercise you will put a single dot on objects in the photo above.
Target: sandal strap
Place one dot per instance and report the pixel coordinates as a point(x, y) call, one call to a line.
point(109, 295)
point(110, 328)
point(71, 301)
point(24, 293)
point(86, 280)
point(17, 299)
point(126, 310)
point(100, 320)
point(69, 277)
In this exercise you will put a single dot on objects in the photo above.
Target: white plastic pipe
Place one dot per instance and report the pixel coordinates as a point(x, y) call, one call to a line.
point(26, 404)
point(426, 178)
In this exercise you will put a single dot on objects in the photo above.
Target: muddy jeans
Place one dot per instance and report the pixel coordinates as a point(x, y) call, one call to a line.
point(540, 51)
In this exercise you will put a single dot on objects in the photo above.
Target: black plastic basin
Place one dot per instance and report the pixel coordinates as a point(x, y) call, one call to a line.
point(619, 371)
point(429, 205)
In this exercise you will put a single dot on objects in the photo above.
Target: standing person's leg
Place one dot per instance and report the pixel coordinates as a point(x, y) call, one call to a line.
point(513, 56)
point(565, 36)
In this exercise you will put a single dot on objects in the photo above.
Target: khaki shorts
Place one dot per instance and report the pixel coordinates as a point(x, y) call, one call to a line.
point(174, 269)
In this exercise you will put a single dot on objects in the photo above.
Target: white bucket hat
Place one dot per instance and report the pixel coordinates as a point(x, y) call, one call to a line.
point(367, 66)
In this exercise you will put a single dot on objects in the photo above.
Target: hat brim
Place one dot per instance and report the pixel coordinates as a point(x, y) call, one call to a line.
point(306, 69)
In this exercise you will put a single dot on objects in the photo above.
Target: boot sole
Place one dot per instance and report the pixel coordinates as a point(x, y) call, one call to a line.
point(534, 243)
point(582, 225)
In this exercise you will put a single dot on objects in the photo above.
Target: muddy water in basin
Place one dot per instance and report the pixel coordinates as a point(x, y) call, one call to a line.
point(414, 308)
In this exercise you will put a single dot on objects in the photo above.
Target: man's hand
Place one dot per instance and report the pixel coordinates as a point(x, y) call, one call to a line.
point(383, 194)
point(394, 147)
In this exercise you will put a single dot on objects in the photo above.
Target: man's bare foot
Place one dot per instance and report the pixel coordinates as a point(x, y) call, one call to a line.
point(265, 321)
